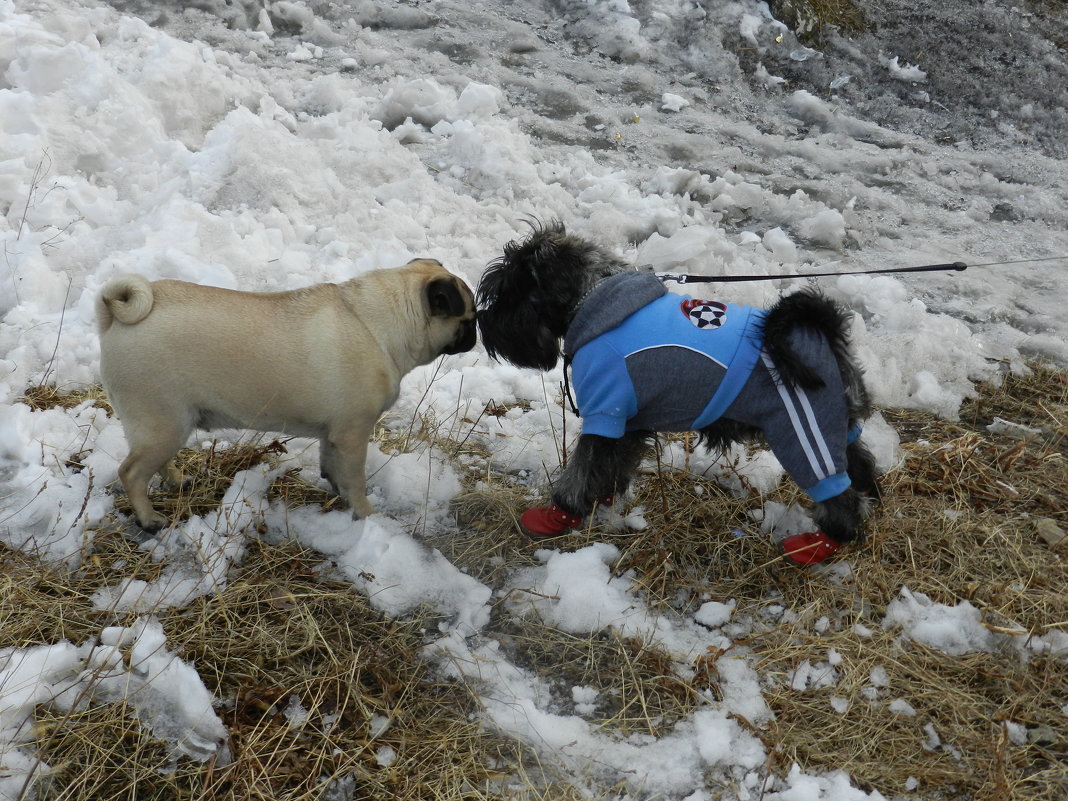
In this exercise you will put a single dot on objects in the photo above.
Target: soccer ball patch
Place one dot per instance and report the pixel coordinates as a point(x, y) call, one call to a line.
point(705, 313)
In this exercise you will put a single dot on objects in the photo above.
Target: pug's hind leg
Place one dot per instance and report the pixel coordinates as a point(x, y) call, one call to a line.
point(148, 457)
point(349, 466)
point(328, 463)
point(173, 475)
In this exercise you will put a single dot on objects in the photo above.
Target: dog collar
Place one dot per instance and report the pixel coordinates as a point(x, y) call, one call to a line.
point(586, 295)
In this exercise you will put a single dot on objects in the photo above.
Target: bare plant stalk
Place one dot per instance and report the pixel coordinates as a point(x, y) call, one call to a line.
point(59, 333)
point(35, 182)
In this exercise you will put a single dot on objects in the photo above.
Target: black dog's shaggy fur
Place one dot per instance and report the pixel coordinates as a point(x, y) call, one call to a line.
point(526, 300)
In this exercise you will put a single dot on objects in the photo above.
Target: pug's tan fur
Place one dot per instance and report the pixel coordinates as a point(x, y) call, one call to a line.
point(324, 361)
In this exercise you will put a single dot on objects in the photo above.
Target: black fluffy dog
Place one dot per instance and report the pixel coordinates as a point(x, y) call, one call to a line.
point(645, 360)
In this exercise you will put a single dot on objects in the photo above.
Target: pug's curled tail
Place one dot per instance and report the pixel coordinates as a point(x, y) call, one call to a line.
point(127, 299)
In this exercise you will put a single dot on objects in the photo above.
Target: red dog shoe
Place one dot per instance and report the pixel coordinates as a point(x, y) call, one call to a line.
point(809, 548)
point(552, 521)
point(543, 522)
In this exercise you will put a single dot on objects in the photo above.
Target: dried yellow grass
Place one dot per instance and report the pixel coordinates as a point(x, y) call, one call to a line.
point(957, 524)
point(279, 633)
point(50, 396)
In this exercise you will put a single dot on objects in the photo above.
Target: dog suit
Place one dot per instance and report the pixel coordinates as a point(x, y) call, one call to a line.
point(644, 359)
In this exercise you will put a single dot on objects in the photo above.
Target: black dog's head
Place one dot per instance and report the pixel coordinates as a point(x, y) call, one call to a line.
point(527, 297)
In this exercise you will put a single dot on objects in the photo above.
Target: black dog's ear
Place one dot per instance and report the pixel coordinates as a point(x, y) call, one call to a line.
point(444, 298)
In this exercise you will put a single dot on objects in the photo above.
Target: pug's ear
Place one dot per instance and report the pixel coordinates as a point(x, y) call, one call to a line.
point(444, 298)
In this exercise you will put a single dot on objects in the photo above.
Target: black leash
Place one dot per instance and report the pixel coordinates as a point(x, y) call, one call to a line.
point(956, 266)
point(567, 387)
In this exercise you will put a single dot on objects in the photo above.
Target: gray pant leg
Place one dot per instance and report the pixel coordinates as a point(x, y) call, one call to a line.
point(806, 429)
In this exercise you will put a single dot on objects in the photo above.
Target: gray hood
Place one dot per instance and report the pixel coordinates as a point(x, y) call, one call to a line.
point(610, 302)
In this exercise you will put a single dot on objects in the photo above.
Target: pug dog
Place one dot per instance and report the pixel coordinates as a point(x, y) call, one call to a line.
point(324, 361)
point(645, 360)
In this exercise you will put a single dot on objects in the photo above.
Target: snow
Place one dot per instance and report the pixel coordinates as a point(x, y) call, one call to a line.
point(269, 146)
point(715, 614)
point(904, 72)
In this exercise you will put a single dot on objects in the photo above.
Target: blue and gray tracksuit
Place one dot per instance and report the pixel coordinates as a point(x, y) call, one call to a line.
point(644, 359)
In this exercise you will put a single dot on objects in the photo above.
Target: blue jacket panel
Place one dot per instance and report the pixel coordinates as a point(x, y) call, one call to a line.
point(673, 364)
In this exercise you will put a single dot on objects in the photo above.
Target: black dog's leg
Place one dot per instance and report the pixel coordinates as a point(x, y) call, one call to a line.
point(599, 467)
point(861, 463)
point(841, 517)
point(862, 470)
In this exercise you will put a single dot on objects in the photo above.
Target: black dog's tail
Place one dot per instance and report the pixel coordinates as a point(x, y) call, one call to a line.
point(809, 308)
point(805, 309)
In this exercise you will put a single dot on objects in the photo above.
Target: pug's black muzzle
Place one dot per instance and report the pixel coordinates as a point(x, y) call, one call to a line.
point(466, 337)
